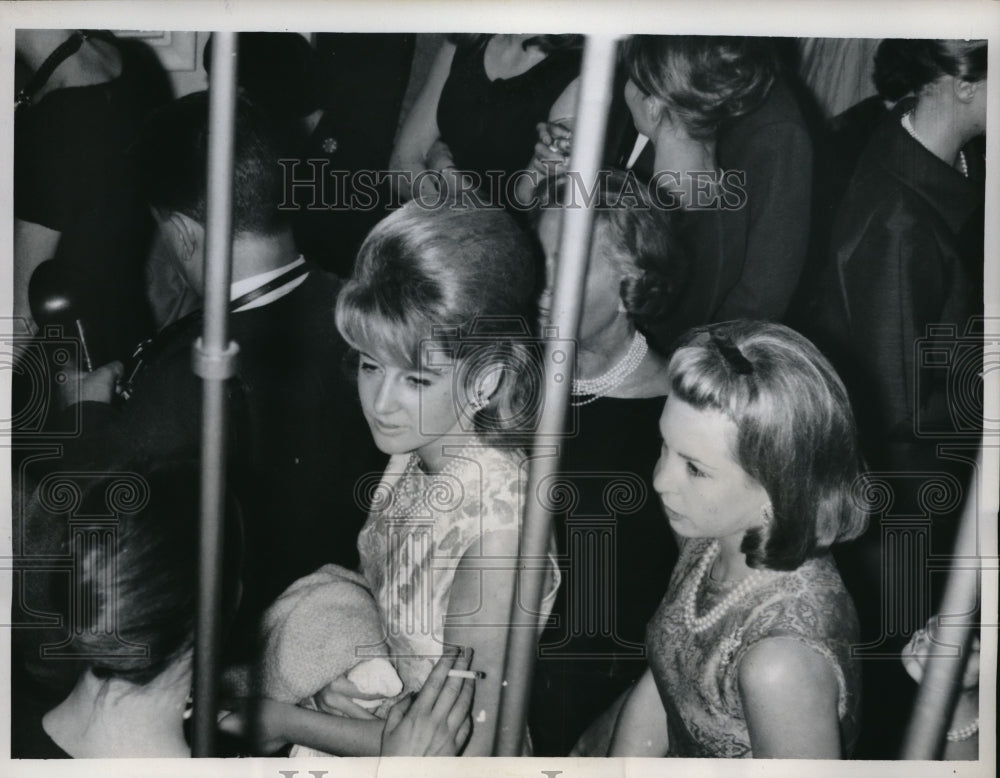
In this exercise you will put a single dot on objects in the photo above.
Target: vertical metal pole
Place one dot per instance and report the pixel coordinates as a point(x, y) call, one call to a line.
point(939, 688)
point(597, 78)
point(214, 359)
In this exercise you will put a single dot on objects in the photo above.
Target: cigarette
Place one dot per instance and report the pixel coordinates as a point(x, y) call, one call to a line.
point(466, 674)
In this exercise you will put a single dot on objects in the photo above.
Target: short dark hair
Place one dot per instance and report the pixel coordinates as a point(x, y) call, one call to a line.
point(795, 433)
point(643, 238)
point(546, 43)
point(466, 279)
point(703, 80)
point(904, 65)
point(173, 153)
point(146, 585)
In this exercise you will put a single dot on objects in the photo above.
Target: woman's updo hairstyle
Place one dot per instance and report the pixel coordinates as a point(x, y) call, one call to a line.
point(463, 281)
point(705, 81)
point(904, 66)
point(642, 237)
point(795, 432)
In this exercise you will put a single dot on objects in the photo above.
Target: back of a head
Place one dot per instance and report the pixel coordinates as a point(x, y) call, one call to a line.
point(705, 81)
point(135, 600)
point(642, 236)
point(173, 155)
point(904, 66)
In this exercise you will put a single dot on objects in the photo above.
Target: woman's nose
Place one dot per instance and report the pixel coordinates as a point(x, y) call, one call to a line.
point(662, 481)
point(384, 396)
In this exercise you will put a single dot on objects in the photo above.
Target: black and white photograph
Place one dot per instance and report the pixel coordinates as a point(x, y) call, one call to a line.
point(589, 388)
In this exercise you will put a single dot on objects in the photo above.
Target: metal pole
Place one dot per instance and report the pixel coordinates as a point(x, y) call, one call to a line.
point(597, 78)
point(939, 688)
point(214, 361)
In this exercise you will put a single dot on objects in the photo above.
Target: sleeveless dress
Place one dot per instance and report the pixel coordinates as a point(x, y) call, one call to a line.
point(490, 125)
point(698, 674)
point(419, 529)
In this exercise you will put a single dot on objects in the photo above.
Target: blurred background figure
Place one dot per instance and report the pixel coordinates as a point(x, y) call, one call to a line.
point(81, 99)
point(616, 550)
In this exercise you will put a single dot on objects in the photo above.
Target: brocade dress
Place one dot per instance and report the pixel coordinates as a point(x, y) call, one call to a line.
point(698, 674)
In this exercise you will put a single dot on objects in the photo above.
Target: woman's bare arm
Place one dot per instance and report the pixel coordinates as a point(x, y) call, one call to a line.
point(478, 615)
point(419, 133)
point(790, 696)
point(641, 729)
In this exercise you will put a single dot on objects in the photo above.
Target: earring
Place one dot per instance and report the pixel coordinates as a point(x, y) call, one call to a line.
point(478, 402)
point(766, 514)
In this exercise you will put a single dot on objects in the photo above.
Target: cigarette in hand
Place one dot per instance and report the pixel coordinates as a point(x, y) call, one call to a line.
point(466, 674)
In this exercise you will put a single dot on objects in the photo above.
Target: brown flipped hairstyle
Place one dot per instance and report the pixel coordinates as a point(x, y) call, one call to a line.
point(795, 432)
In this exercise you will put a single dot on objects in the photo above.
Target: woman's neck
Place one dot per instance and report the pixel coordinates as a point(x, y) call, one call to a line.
point(682, 158)
point(938, 130)
point(506, 57)
point(116, 718)
point(601, 353)
point(731, 563)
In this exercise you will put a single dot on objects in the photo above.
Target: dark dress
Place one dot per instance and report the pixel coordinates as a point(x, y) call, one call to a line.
point(490, 125)
point(73, 174)
point(616, 553)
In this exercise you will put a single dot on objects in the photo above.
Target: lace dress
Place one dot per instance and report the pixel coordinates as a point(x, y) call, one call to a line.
point(698, 674)
point(419, 529)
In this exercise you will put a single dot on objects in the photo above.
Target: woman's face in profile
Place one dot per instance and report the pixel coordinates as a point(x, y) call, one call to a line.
point(704, 490)
point(601, 305)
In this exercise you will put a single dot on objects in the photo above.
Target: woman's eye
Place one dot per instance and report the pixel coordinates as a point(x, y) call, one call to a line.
point(417, 381)
point(694, 470)
point(368, 367)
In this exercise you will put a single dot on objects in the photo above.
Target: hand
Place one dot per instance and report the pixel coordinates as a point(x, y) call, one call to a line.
point(915, 655)
point(336, 697)
point(437, 722)
point(97, 386)
point(555, 141)
point(258, 721)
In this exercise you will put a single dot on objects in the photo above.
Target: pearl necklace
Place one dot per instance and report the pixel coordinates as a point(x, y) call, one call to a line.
point(698, 624)
point(907, 123)
point(604, 383)
point(417, 486)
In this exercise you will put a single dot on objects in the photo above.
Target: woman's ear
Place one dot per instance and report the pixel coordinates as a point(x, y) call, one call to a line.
point(965, 91)
point(485, 384)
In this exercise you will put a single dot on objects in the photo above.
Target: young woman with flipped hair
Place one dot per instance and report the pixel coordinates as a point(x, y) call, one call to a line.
point(440, 310)
point(749, 652)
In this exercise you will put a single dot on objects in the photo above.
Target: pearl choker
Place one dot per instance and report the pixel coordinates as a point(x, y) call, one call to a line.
point(698, 624)
point(604, 383)
point(907, 123)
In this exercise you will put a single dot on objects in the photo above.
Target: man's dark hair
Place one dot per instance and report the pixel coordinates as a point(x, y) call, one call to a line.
point(173, 151)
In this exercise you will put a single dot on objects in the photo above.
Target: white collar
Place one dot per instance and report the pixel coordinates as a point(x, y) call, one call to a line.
point(640, 144)
point(239, 288)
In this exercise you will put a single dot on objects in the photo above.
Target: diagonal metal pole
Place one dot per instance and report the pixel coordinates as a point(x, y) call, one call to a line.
point(214, 360)
point(939, 687)
point(596, 84)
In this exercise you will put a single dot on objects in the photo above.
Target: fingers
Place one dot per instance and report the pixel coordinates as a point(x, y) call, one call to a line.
point(397, 711)
point(453, 686)
point(435, 682)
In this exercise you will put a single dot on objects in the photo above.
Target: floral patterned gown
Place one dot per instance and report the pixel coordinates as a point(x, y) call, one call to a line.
point(420, 527)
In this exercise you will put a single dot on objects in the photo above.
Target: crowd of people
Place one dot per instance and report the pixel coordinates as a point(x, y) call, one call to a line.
point(761, 282)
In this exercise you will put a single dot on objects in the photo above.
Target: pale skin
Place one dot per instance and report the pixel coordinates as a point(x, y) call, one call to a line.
point(789, 692)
